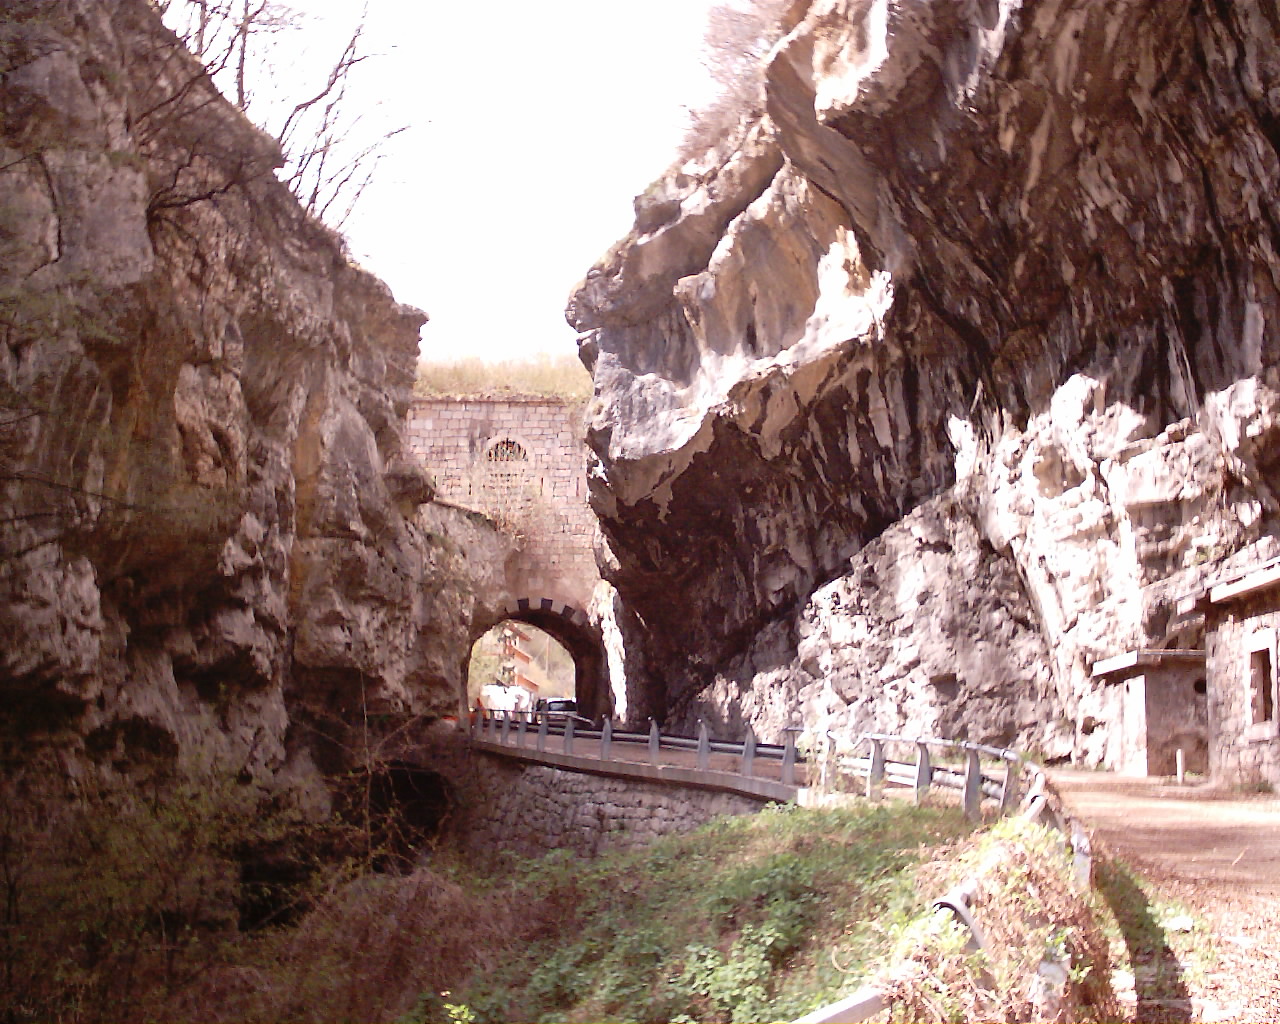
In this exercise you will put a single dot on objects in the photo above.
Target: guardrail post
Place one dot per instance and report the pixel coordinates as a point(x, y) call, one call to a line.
point(522, 726)
point(704, 746)
point(749, 753)
point(972, 786)
point(506, 726)
point(789, 756)
point(875, 773)
point(826, 762)
point(924, 771)
point(606, 739)
point(568, 735)
point(542, 732)
point(1009, 794)
point(655, 742)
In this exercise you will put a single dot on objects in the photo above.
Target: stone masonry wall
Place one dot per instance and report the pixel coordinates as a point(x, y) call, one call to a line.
point(1177, 719)
point(531, 809)
point(1239, 750)
point(521, 461)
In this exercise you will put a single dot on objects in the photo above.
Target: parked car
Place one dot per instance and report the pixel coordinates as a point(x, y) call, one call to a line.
point(557, 708)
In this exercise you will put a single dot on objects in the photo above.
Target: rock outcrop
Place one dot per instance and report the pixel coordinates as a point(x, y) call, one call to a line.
point(210, 544)
point(950, 371)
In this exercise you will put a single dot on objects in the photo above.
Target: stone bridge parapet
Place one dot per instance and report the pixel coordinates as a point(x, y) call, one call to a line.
point(530, 809)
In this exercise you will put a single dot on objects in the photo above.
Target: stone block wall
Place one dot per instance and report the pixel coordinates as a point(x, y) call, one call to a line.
point(531, 809)
point(521, 461)
point(1164, 713)
point(1241, 749)
point(1177, 718)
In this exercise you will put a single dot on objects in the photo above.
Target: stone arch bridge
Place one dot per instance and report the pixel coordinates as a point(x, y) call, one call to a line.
point(521, 461)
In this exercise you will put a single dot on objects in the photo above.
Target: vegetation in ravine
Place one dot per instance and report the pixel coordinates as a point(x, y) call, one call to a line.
point(144, 909)
point(211, 902)
point(759, 917)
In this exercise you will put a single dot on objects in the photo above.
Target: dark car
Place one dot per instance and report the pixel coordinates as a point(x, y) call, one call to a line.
point(557, 708)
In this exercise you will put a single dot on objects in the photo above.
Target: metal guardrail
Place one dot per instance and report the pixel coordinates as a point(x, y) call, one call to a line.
point(868, 1001)
point(536, 730)
point(927, 770)
point(539, 730)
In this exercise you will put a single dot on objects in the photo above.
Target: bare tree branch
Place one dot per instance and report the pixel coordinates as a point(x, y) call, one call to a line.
point(318, 132)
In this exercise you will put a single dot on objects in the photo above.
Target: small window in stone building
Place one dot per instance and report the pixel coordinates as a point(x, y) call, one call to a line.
point(506, 451)
point(1261, 686)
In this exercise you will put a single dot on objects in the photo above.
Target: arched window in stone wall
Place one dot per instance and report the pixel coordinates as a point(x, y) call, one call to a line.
point(506, 450)
point(506, 472)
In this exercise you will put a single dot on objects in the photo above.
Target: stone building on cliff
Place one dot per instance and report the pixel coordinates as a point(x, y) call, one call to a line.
point(1242, 616)
point(521, 461)
point(1159, 708)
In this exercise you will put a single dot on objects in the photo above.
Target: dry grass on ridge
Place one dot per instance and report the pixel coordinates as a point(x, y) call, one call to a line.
point(559, 376)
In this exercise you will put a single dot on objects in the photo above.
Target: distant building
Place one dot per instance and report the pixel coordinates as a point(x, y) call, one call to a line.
point(514, 653)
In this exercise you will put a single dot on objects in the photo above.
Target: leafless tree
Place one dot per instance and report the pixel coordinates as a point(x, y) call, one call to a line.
point(327, 166)
point(736, 41)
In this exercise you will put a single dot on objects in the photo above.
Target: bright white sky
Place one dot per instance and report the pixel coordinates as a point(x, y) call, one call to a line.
point(531, 127)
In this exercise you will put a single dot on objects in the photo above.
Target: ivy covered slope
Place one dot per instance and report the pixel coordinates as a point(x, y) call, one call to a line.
point(755, 917)
point(944, 373)
point(206, 531)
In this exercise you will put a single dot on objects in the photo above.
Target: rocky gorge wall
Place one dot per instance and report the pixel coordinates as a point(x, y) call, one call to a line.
point(211, 545)
point(945, 373)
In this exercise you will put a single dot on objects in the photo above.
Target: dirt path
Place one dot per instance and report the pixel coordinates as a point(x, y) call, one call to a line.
point(1219, 855)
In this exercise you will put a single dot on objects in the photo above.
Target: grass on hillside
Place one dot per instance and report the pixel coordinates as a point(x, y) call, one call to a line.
point(759, 917)
point(756, 917)
point(561, 376)
point(1044, 952)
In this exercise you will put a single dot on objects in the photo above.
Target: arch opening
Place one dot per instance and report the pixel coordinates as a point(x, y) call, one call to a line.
point(578, 668)
point(506, 450)
point(515, 664)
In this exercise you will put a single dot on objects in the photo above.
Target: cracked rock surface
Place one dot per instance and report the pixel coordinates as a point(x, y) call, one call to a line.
point(1000, 275)
point(211, 547)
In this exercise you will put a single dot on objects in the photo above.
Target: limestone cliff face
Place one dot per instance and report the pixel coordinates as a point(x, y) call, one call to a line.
point(948, 373)
point(208, 537)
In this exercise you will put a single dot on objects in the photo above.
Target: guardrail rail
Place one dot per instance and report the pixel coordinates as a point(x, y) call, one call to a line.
point(536, 730)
